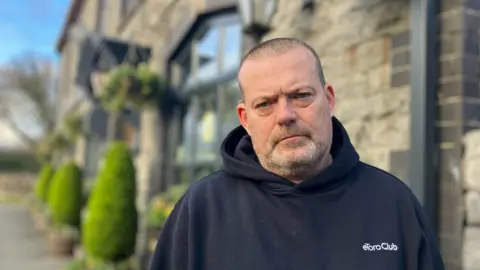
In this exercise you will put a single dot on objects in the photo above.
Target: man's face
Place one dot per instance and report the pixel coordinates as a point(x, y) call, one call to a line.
point(286, 111)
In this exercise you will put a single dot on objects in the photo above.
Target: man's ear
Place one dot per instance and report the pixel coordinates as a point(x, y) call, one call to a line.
point(330, 97)
point(242, 115)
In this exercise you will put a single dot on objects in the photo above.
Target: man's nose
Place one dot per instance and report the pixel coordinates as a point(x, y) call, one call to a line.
point(285, 112)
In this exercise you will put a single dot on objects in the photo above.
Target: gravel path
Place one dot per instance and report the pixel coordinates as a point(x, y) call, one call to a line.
point(21, 246)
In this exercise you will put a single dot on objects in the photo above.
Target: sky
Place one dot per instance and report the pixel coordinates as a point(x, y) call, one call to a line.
point(31, 26)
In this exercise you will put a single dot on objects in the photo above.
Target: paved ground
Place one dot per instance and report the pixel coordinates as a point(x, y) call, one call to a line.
point(21, 246)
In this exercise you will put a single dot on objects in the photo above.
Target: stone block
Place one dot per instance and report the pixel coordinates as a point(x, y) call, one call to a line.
point(356, 87)
point(399, 164)
point(400, 78)
point(389, 103)
point(452, 21)
point(472, 144)
point(448, 133)
point(459, 65)
point(373, 53)
point(472, 173)
point(450, 111)
point(379, 78)
point(400, 59)
point(457, 86)
point(471, 248)
point(472, 202)
point(401, 39)
point(378, 157)
point(336, 66)
point(451, 210)
point(392, 132)
point(378, 106)
point(471, 111)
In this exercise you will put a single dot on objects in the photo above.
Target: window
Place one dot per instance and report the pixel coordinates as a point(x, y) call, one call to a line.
point(205, 71)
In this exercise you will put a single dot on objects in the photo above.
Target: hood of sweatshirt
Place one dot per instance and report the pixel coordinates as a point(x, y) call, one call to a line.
point(240, 161)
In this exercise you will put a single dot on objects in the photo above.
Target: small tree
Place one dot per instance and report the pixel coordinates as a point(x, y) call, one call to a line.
point(65, 197)
point(110, 224)
point(28, 97)
point(42, 187)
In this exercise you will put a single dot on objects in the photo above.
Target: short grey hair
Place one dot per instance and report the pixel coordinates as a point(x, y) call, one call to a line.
point(280, 45)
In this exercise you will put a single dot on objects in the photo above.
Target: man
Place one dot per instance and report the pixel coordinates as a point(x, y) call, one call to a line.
point(293, 193)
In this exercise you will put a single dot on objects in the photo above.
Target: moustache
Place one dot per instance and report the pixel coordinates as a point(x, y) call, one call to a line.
point(290, 133)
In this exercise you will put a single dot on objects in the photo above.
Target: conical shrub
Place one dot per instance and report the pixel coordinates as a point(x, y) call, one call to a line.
point(65, 196)
point(42, 186)
point(110, 224)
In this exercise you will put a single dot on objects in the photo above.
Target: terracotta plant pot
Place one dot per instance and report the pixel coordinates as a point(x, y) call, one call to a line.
point(60, 245)
point(41, 221)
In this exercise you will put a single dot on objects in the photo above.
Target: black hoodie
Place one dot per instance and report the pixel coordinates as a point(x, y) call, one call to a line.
point(351, 216)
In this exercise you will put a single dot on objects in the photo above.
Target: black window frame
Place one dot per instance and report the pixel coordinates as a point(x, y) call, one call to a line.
point(184, 50)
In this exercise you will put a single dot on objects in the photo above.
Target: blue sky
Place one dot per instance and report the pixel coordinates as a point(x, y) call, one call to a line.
point(30, 26)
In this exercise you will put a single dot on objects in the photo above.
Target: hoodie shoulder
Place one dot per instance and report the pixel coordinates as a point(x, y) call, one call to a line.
point(383, 182)
point(219, 181)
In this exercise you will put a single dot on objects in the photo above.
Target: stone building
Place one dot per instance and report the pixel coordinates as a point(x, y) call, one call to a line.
point(406, 80)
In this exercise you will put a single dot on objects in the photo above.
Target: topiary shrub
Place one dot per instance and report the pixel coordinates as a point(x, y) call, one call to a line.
point(110, 222)
point(42, 186)
point(65, 197)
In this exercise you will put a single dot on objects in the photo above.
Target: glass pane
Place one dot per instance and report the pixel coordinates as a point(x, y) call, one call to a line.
point(232, 46)
point(206, 148)
point(207, 54)
point(182, 155)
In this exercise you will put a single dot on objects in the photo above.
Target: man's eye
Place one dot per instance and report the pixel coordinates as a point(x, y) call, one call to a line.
point(301, 95)
point(262, 105)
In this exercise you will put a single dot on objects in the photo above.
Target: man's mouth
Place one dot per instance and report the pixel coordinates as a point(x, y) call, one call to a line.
point(291, 138)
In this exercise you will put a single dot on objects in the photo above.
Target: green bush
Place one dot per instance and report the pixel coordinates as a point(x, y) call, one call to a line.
point(110, 224)
point(42, 186)
point(65, 197)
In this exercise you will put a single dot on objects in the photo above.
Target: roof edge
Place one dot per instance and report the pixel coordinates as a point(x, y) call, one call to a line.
point(72, 16)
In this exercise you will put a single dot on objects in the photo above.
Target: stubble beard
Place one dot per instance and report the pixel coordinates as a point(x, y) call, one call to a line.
point(296, 160)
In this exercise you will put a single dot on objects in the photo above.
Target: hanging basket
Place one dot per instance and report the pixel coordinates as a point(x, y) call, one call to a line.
point(128, 85)
point(99, 80)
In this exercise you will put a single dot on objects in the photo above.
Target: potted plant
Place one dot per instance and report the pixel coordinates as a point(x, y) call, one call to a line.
point(158, 211)
point(62, 240)
point(39, 205)
point(65, 204)
point(109, 226)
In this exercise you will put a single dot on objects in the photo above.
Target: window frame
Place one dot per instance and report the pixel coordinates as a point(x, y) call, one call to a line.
point(216, 83)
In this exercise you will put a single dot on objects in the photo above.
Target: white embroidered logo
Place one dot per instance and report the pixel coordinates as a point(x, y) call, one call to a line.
point(382, 246)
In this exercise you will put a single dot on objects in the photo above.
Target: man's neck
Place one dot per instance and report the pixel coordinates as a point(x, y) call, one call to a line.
point(321, 166)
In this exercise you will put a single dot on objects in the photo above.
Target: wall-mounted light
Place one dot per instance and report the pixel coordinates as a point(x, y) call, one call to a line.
point(256, 15)
point(308, 4)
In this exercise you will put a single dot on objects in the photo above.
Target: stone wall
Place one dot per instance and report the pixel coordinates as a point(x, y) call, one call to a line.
point(458, 98)
point(16, 183)
point(363, 45)
point(471, 166)
point(365, 58)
